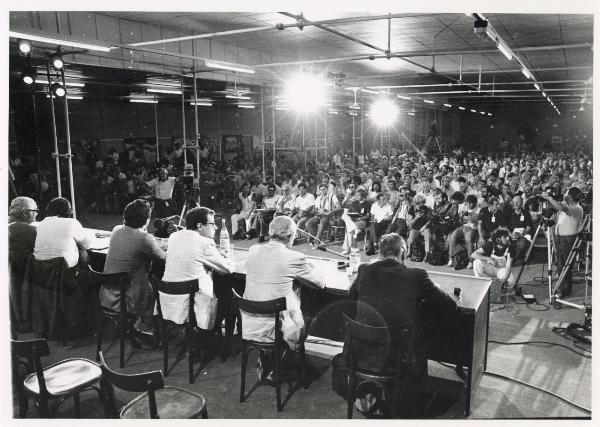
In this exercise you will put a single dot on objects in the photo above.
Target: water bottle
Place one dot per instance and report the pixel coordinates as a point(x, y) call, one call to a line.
point(224, 238)
point(354, 257)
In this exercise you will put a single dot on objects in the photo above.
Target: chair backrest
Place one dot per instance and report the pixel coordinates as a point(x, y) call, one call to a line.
point(120, 281)
point(270, 308)
point(50, 273)
point(189, 287)
point(33, 351)
point(147, 381)
point(395, 340)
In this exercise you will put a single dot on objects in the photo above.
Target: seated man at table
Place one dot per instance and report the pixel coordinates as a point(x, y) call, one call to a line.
point(389, 293)
point(268, 280)
point(130, 249)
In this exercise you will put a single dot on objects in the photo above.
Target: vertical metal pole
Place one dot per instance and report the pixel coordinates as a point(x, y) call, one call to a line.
point(303, 141)
point(262, 129)
point(362, 126)
point(68, 137)
point(274, 138)
point(353, 140)
point(156, 132)
point(219, 132)
point(38, 151)
point(325, 135)
point(316, 143)
point(56, 158)
point(197, 137)
point(183, 123)
point(389, 137)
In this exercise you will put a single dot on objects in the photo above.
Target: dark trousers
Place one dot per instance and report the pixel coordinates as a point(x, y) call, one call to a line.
point(563, 246)
point(399, 226)
point(376, 229)
point(521, 247)
point(163, 208)
point(264, 219)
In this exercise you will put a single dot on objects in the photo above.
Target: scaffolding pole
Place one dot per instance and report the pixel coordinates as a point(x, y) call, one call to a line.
point(274, 137)
point(183, 122)
point(69, 155)
point(303, 142)
point(219, 132)
point(197, 136)
point(156, 132)
point(262, 130)
point(54, 137)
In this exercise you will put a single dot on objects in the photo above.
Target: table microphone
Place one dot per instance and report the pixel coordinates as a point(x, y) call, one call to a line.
point(321, 245)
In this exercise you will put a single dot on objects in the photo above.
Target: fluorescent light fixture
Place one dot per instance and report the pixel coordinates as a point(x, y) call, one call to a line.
point(143, 101)
point(535, 85)
point(282, 109)
point(448, 105)
point(490, 114)
point(173, 91)
point(482, 112)
point(544, 94)
point(74, 97)
point(404, 97)
point(332, 112)
point(410, 114)
point(354, 106)
point(245, 106)
point(201, 103)
point(504, 50)
point(428, 101)
point(526, 72)
point(473, 111)
point(43, 38)
point(461, 108)
point(73, 84)
point(369, 91)
point(230, 67)
point(233, 96)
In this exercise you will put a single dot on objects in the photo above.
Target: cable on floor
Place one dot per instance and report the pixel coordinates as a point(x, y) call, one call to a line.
point(541, 342)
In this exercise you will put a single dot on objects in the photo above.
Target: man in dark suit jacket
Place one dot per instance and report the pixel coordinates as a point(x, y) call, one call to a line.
point(389, 294)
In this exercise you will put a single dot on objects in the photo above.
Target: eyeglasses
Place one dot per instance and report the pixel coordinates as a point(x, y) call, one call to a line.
point(211, 223)
point(33, 210)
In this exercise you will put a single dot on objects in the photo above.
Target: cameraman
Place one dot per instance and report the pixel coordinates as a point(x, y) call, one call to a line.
point(568, 223)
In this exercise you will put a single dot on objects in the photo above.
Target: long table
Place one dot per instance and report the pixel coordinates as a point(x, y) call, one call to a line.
point(471, 334)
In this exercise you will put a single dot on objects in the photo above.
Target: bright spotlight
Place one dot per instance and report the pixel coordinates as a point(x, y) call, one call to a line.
point(24, 46)
point(57, 61)
point(305, 93)
point(58, 90)
point(28, 75)
point(384, 112)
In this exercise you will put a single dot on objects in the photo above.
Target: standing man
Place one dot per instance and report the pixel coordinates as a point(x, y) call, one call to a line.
point(162, 189)
point(568, 223)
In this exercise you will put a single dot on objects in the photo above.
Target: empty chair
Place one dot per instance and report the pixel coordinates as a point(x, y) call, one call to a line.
point(384, 356)
point(156, 401)
point(59, 381)
point(189, 287)
point(271, 308)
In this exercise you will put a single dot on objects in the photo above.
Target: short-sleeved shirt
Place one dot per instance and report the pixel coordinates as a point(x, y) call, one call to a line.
point(305, 202)
point(163, 190)
point(492, 248)
point(490, 221)
point(519, 220)
point(60, 237)
point(363, 208)
point(568, 223)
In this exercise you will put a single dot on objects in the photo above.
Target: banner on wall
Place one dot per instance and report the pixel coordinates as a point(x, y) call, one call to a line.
point(232, 146)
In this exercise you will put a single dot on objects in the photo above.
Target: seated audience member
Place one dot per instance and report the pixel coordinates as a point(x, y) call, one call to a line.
point(247, 208)
point(129, 250)
point(287, 201)
point(519, 224)
point(403, 213)
point(269, 204)
point(489, 219)
point(467, 229)
point(356, 219)
point(192, 255)
point(21, 241)
point(418, 221)
point(375, 190)
point(304, 206)
point(271, 271)
point(442, 221)
point(59, 235)
point(393, 195)
point(326, 205)
point(381, 216)
point(388, 294)
point(495, 258)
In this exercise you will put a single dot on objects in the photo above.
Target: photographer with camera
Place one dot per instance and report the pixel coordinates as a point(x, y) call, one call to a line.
point(495, 258)
point(519, 224)
point(442, 221)
point(568, 222)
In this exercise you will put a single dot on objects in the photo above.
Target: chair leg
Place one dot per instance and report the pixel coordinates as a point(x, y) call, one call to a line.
point(190, 348)
point(122, 330)
point(205, 414)
point(99, 335)
point(303, 367)
point(351, 386)
point(76, 405)
point(165, 349)
point(277, 379)
point(43, 408)
point(23, 405)
point(243, 379)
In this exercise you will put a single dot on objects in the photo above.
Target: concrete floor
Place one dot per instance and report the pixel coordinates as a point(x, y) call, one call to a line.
point(551, 367)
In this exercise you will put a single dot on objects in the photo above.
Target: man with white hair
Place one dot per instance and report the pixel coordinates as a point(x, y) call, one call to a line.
point(271, 271)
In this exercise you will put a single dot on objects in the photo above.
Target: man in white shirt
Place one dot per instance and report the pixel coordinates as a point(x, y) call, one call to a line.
point(427, 193)
point(162, 188)
point(287, 201)
point(269, 206)
point(192, 255)
point(568, 223)
point(381, 216)
point(247, 208)
point(59, 235)
point(304, 206)
point(325, 206)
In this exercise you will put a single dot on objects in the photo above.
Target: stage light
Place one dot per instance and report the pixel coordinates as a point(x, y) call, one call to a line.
point(384, 112)
point(28, 75)
point(56, 60)
point(305, 93)
point(504, 50)
point(404, 97)
point(490, 114)
point(544, 94)
point(461, 108)
point(448, 105)
point(526, 72)
point(24, 46)
point(428, 101)
point(410, 113)
point(58, 90)
point(173, 91)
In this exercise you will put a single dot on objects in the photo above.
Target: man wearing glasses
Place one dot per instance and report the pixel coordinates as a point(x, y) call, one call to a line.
point(286, 202)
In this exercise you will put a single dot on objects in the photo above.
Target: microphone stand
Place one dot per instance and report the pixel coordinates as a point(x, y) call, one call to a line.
point(322, 246)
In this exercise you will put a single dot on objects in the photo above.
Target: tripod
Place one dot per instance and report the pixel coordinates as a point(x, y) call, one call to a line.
point(546, 225)
point(435, 141)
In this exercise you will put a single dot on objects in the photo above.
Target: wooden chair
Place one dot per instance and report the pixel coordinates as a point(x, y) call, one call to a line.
point(396, 343)
point(121, 318)
point(189, 287)
point(59, 381)
point(156, 401)
point(272, 309)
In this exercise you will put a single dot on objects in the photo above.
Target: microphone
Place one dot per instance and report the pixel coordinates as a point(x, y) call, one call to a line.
point(321, 245)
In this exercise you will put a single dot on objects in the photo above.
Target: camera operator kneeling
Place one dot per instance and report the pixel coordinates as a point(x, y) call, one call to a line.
point(495, 258)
